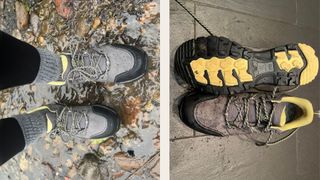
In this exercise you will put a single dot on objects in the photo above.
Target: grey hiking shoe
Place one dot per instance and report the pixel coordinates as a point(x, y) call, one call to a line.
point(89, 122)
point(244, 113)
point(105, 63)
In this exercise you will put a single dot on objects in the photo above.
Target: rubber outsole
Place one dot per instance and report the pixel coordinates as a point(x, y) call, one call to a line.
point(220, 66)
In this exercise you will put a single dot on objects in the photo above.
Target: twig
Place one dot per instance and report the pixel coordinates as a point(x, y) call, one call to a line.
point(156, 155)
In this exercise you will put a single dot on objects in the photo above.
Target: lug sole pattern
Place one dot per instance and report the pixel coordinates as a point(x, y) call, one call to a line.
point(220, 66)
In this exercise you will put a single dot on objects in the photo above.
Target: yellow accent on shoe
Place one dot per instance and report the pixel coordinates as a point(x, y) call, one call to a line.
point(303, 120)
point(225, 65)
point(38, 109)
point(98, 141)
point(287, 64)
point(49, 124)
point(311, 70)
point(57, 83)
point(64, 61)
point(283, 118)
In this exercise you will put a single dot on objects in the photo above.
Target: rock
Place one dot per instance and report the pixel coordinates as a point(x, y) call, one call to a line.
point(63, 8)
point(126, 162)
point(72, 172)
point(107, 146)
point(117, 175)
point(96, 23)
point(23, 163)
point(69, 163)
point(2, 4)
point(16, 33)
point(41, 41)
point(35, 24)
point(89, 167)
point(22, 16)
point(83, 27)
point(111, 24)
point(130, 110)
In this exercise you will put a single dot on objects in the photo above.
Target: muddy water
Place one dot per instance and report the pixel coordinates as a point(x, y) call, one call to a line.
point(129, 22)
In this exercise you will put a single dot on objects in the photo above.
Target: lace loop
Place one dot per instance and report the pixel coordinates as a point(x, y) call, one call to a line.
point(86, 66)
point(242, 118)
point(68, 124)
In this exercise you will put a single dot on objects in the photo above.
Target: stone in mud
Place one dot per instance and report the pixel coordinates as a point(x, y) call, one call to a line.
point(117, 175)
point(63, 8)
point(83, 27)
point(96, 23)
point(89, 168)
point(127, 162)
point(16, 33)
point(72, 172)
point(2, 4)
point(22, 16)
point(23, 163)
point(35, 23)
point(130, 110)
point(107, 146)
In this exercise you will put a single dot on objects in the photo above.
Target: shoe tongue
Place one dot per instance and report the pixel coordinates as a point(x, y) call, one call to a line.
point(279, 111)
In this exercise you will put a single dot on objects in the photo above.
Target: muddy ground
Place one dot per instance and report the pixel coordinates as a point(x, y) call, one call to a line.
point(133, 153)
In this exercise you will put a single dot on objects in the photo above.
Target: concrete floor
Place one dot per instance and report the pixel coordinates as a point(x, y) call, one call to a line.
point(253, 23)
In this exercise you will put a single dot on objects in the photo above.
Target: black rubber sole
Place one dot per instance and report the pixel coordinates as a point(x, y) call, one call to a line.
point(262, 65)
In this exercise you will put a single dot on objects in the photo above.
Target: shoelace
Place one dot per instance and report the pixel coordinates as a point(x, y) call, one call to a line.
point(260, 108)
point(262, 115)
point(86, 67)
point(66, 130)
point(266, 118)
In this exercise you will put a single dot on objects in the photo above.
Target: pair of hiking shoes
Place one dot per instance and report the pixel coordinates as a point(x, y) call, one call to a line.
point(104, 63)
point(239, 89)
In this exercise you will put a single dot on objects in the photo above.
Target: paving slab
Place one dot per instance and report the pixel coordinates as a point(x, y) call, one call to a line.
point(283, 11)
point(308, 13)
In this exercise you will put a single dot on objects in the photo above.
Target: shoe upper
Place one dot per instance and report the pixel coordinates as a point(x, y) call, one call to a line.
point(89, 122)
point(106, 63)
point(244, 113)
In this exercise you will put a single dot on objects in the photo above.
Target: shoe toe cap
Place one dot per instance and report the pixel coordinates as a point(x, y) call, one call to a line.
point(107, 122)
point(139, 68)
point(187, 112)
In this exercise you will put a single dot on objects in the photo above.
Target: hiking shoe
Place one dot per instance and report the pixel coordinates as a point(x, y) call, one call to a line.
point(244, 113)
point(217, 65)
point(105, 63)
point(88, 122)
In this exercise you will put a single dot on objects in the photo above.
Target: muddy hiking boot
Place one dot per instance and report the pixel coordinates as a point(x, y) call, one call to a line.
point(104, 63)
point(244, 113)
point(87, 122)
point(217, 65)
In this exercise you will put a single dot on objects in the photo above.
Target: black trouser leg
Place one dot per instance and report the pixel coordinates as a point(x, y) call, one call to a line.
point(11, 139)
point(19, 62)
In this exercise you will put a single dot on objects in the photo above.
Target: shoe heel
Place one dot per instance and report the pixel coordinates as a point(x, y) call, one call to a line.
point(310, 72)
